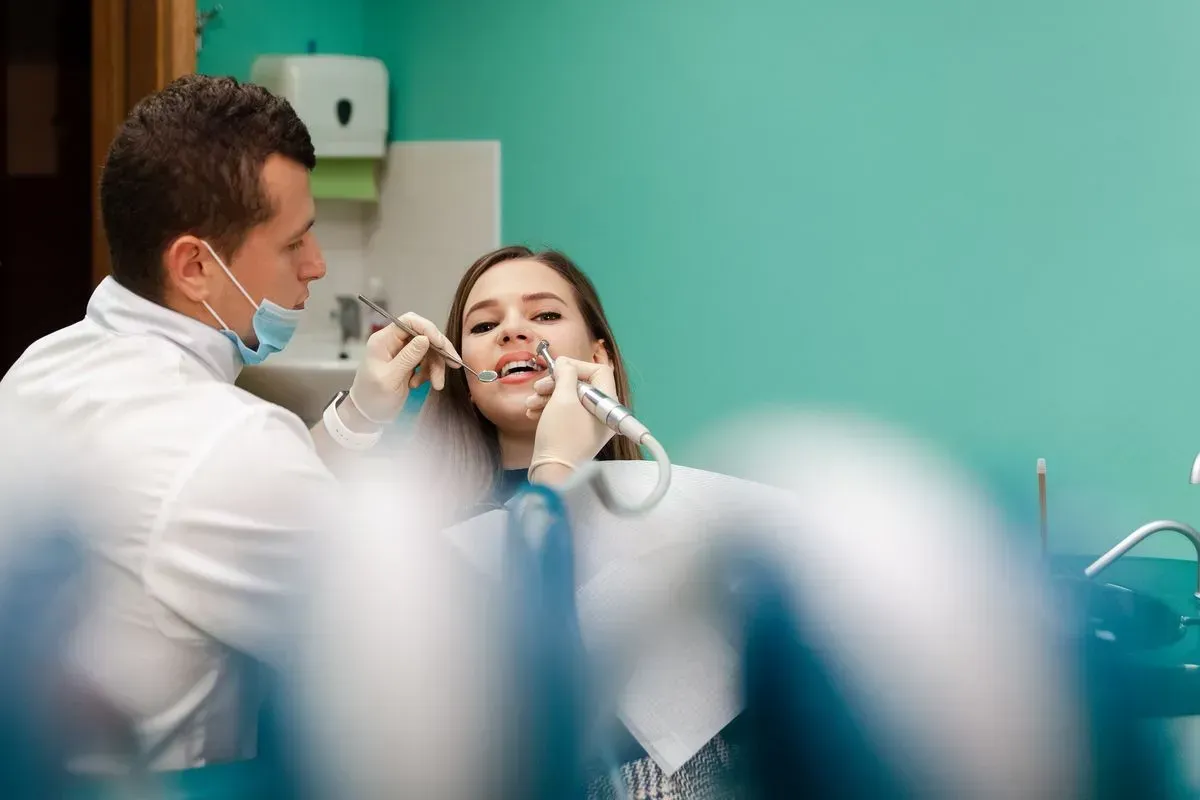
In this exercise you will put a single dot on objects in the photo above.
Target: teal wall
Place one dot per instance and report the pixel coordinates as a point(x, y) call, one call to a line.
point(245, 29)
point(978, 220)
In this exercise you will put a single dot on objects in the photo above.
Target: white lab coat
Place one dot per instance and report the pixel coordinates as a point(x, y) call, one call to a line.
point(213, 497)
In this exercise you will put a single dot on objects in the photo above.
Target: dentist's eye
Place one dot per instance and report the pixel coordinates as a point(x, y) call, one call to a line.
point(482, 327)
point(296, 245)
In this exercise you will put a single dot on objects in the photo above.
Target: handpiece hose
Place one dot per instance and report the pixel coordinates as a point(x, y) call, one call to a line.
point(620, 419)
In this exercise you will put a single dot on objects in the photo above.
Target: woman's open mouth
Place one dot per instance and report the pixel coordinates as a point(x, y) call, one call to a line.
point(519, 368)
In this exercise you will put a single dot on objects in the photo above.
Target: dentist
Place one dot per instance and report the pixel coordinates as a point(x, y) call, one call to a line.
point(214, 494)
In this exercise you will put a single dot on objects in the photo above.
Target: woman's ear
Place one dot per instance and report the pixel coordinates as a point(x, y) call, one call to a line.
point(600, 354)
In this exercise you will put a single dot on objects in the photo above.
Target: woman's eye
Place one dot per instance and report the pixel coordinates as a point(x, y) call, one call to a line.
point(482, 327)
point(296, 245)
point(548, 316)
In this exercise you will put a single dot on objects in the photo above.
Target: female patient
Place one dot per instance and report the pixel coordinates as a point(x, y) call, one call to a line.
point(524, 427)
point(517, 428)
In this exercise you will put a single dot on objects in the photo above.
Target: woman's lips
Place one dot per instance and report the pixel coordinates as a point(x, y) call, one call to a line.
point(522, 376)
point(525, 376)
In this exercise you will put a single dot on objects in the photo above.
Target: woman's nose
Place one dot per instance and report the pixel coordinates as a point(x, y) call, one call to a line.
point(516, 336)
point(515, 329)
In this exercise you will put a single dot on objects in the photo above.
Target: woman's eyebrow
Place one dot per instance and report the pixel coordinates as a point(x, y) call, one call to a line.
point(528, 298)
point(542, 296)
point(479, 305)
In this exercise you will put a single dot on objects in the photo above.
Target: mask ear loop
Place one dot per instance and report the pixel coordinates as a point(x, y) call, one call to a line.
point(216, 316)
point(221, 263)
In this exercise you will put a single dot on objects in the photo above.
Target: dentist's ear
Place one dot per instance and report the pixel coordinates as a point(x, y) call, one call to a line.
point(184, 268)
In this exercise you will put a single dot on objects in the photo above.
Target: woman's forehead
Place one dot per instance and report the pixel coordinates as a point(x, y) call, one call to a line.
point(512, 279)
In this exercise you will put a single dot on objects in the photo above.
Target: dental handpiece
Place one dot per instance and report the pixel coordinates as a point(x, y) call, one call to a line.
point(603, 407)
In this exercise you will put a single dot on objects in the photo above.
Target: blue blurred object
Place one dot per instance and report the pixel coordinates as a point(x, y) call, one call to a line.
point(547, 719)
point(803, 738)
point(45, 716)
point(37, 609)
point(801, 735)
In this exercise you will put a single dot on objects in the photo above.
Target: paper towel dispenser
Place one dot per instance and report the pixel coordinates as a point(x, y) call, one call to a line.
point(343, 101)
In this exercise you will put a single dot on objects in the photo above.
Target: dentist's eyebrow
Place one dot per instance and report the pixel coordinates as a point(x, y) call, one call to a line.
point(307, 227)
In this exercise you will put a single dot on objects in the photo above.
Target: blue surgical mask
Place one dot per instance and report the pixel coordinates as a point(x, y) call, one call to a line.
point(273, 324)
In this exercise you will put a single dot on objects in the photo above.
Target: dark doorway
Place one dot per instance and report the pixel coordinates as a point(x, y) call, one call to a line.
point(46, 168)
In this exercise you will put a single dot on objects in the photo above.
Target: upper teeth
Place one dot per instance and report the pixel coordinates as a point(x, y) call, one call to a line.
point(510, 366)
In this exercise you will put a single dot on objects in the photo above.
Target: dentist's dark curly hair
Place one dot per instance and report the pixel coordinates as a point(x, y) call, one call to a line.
point(188, 160)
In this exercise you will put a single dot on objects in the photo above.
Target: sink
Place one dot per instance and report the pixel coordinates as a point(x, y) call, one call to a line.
point(1145, 622)
point(305, 376)
point(1129, 621)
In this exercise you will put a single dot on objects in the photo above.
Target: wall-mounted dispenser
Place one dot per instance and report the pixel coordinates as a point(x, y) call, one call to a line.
point(343, 101)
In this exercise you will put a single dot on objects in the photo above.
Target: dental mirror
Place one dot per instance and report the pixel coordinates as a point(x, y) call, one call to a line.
point(486, 376)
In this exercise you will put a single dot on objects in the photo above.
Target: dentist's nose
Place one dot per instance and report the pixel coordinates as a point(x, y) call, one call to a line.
point(314, 267)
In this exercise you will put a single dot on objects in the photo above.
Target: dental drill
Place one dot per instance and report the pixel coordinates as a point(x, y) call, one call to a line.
point(621, 420)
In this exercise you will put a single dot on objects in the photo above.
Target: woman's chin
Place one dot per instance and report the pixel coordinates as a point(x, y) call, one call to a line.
point(512, 421)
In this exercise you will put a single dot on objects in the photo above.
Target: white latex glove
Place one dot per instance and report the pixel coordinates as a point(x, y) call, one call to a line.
point(567, 433)
point(389, 368)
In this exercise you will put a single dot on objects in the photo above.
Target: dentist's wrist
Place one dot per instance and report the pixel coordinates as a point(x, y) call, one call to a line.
point(353, 418)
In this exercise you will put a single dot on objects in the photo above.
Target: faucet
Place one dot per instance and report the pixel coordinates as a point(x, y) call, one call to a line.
point(349, 317)
point(1196, 470)
point(1105, 561)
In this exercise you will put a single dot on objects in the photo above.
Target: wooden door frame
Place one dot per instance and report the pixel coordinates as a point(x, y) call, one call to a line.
point(163, 34)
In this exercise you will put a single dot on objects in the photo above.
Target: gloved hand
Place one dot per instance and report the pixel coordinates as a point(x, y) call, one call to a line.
point(389, 368)
point(567, 433)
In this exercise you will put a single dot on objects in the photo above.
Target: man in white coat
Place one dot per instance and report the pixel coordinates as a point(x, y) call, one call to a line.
point(212, 496)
